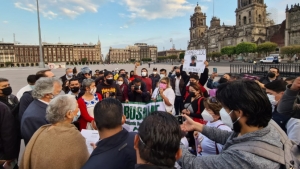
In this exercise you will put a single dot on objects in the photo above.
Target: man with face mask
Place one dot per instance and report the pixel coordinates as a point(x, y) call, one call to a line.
point(155, 77)
point(108, 88)
point(271, 76)
point(74, 87)
point(31, 81)
point(65, 79)
point(6, 95)
point(145, 78)
point(250, 113)
point(34, 116)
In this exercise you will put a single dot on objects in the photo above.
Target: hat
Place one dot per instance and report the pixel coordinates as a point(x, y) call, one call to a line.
point(154, 68)
point(101, 72)
point(193, 57)
point(86, 70)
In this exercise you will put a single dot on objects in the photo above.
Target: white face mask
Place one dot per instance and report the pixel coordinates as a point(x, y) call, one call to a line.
point(225, 117)
point(120, 83)
point(70, 74)
point(144, 74)
point(206, 116)
point(93, 91)
point(162, 75)
point(272, 99)
point(154, 73)
point(77, 116)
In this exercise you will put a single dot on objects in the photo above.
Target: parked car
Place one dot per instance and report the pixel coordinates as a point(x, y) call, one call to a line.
point(275, 58)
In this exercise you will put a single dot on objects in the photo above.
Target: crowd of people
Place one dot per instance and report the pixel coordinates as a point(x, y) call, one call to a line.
point(239, 121)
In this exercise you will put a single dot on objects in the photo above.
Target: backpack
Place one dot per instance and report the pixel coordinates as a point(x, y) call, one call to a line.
point(288, 157)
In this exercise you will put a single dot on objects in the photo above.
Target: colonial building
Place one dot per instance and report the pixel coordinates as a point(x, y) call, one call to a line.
point(292, 31)
point(7, 54)
point(137, 52)
point(252, 25)
point(171, 52)
point(28, 55)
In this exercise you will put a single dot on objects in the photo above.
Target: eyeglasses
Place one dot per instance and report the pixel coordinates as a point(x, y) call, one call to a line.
point(213, 100)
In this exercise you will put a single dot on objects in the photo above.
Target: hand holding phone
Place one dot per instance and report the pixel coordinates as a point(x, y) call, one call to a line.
point(215, 70)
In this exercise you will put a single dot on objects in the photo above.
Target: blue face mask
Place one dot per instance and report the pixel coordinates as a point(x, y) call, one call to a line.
point(32, 87)
point(77, 116)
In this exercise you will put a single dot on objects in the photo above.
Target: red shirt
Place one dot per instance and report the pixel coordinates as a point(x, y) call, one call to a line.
point(147, 81)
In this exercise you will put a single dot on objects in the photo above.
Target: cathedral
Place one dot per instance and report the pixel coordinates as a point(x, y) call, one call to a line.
point(252, 25)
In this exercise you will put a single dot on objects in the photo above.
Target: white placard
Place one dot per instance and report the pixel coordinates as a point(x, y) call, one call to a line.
point(56, 65)
point(194, 60)
point(91, 136)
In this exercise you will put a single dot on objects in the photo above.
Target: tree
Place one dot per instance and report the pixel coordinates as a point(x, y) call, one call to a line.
point(173, 57)
point(290, 51)
point(228, 50)
point(245, 48)
point(266, 47)
point(8, 64)
point(132, 60)
point(84, 60)
point(146, 59)
point(181, 56)
point(216, 54)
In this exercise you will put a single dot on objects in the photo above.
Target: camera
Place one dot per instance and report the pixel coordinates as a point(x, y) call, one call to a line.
point(136, 87)
point(112, 94)
point(179, 119)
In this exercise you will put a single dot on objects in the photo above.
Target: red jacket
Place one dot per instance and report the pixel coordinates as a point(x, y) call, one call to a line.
point(85, 117)
point(187, 90)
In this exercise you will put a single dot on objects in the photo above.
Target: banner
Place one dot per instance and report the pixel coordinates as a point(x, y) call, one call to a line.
point(56, 65)
point(194, 60)
point(135, 113)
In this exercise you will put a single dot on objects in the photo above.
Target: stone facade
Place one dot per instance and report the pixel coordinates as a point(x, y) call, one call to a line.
point(28, 55)
point(251, 26)
point(138, 52)
point(171, 52)
point(292, 32)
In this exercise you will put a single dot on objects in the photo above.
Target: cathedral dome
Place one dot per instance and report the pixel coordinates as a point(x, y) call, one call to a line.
point(197, 9)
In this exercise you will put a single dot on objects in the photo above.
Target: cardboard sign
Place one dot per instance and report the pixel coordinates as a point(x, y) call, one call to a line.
point(194, 60)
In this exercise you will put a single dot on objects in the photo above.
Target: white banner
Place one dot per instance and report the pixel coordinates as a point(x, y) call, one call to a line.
point(136, 112)
point(194, 60)
point(56, 65)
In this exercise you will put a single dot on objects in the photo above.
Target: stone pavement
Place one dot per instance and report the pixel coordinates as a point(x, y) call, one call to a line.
point(18, 76)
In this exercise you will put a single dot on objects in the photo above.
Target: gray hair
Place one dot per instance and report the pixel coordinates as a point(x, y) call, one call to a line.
point(44, 86)
point(59, 107)
point(87, 83)
point(68, 69)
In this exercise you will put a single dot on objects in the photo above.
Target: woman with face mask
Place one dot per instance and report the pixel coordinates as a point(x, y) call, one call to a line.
point(123, 88)
point(211, 114)
point(87, 103)
point(166, 94)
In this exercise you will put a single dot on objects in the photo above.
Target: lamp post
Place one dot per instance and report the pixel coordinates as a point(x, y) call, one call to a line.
point(41, 64)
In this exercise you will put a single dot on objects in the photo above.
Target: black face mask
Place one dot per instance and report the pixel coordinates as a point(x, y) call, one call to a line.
point(74, 89)
point(109, 81)
point(271, 75)
point(177, 74)
point(123, 75)
point(192, 94)
point(7, 91)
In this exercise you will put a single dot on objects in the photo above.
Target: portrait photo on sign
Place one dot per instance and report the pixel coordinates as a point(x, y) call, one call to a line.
point(194, 61)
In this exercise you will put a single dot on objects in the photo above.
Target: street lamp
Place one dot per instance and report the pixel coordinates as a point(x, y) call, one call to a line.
point(41, 64)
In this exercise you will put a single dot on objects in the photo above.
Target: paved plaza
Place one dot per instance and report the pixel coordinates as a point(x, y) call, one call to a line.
point(18, 75)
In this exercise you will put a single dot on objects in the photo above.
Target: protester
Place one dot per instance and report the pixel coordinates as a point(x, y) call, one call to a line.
point(115, 149)
point(137, 91)
point(31, 81)
point(96, 75)
point(124, 88)
point(163, 73)
point(122, 73)
point(34, 116)
point(74, 87)
point(195, 79)
point(271, 76)
point(108, 88)
point(213, 85)
point(132, 77)
point(6, 95)
point(145, 78)
point(289, 80)
point(27, 97)
point(155, 77)
point(59, 140)
point(211, 114)
point(65, 79)
point(86, 104)
point(9, 141)
point(100, 78)
point(250, 111)
point(178, 84)
point(157, 146)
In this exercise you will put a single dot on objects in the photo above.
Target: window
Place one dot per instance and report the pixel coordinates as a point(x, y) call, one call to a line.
point(249, 13)
point(245, 20)
point(259, 18)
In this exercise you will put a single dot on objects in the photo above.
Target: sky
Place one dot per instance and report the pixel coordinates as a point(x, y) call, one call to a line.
point(117, 23)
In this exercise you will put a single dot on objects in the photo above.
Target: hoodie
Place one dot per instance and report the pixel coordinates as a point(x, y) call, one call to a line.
point(111, 90)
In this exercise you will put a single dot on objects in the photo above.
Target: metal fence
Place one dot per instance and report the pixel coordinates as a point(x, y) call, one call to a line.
point(286, 70)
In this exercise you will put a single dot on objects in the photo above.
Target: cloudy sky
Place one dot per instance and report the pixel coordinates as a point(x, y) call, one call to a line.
point(118, 23)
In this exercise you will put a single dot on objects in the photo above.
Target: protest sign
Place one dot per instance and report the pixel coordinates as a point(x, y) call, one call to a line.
point(56, 65)
point(194, 60)
point(135, 112)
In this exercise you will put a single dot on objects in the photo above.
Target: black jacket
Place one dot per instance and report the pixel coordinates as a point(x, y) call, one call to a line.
point(25, 101)
point(147, 166)
point(115, 152)
point(266, 80)
point(9, 140)
point(155, 79)
point(64, 81)
point(113, 90)
point(133, 96)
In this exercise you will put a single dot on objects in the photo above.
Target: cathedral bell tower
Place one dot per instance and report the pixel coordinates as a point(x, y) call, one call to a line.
point(198, 26)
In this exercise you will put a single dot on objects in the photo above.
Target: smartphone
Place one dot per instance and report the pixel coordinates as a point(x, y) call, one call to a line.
point(215, 70)
point(179, 119)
